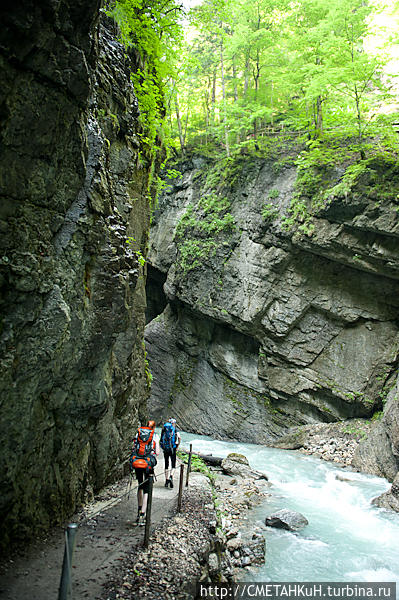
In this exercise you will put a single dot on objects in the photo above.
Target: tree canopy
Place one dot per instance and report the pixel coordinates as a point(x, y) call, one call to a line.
point(250, 67)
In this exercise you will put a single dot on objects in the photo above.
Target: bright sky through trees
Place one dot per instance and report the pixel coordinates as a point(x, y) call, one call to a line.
point(315, 66)
point(225, 73)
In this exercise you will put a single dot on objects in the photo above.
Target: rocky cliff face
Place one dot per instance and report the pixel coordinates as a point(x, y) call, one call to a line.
point(267, 327)
point(72, 291)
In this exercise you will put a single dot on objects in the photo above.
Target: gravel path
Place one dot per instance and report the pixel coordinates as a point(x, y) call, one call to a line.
point(106, 532)
point(110, 561)
point(177, 553)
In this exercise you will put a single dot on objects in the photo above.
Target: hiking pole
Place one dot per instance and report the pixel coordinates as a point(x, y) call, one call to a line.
point(180, 487)
point(65, 583)
point(130, 484)
point(148, 513)
point(189, 464)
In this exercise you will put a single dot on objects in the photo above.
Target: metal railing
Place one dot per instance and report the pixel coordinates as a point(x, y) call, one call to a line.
point(65, 588)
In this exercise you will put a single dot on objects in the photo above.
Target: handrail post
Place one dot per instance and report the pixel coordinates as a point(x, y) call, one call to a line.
point(180, 487)
point(189, 464)
point(65, 583)
point(148, 513)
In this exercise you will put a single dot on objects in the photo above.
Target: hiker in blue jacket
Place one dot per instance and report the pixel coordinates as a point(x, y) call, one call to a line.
point(170, 440)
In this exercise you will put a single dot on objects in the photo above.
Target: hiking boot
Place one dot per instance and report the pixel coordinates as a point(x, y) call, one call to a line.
point(171, 482)
point(166, 483)
point(141, 520)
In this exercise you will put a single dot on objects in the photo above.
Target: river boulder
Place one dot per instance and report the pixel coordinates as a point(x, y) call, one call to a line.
point(238, 465)
point(240, 458)
point(390, 499)
point(287, 519)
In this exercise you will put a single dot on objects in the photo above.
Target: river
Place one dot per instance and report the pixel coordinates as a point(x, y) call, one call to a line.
point(347, 539)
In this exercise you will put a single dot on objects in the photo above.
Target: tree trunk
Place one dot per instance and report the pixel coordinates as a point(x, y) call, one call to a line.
point(271, 104)
point(185, 125)
point(226, 130)
point(319, 116)
point(206, 107)
point(213, 101)
point(359, 123)
point(357, 101)
point(207, 458)
point(235, 81)
point(179, 125)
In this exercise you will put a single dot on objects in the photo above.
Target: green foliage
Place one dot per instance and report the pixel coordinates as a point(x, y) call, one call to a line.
point(299, 216)
point(148, 374)
point(269, 212)
point(173, 174)
point(377, 416)
point(318, 182)
point(193, 253)
point(357, 431)
point(202, 230)
point(377, 175)
point(147, 371)
point(273, 194)
point(154, 31)
point(251, 69)
point(197, 464)
point(344, 187)
point(162, 183)
point(131, 241)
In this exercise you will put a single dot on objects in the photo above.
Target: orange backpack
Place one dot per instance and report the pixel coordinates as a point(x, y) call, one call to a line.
point(143, 451)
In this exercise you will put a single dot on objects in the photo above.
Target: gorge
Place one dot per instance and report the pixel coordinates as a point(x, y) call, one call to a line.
point(269, 284)
point(273, 328)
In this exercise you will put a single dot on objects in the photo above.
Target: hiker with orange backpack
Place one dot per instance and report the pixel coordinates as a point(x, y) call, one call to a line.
point(142, 461)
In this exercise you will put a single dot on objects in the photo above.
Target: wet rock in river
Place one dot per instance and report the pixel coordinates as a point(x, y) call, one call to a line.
point(235, 464)
point(287, 519)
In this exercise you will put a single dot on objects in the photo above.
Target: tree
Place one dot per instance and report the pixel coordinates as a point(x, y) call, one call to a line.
point(155, 32)
point(353, 73)
point(253, 63)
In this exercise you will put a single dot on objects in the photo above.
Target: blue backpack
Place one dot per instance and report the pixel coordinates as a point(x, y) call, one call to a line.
point(168, 437)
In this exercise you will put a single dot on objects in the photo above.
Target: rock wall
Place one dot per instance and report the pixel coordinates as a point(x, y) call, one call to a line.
point(379, 452)
point(72, 291)
point(269, 327)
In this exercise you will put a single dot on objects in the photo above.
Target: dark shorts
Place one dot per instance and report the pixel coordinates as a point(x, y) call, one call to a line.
point(142, 477)
point(170, 454)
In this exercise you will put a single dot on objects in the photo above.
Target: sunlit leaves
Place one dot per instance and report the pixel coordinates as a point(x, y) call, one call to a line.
point(154, 31)
point(303, 63)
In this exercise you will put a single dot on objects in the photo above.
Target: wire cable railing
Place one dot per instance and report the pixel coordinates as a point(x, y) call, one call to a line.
point(65, 589)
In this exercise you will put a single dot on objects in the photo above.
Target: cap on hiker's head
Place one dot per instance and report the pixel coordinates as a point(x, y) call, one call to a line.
point(151, 424)
point(172, 420)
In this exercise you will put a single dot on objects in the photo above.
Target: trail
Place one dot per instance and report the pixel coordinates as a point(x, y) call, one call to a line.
point(105, 533)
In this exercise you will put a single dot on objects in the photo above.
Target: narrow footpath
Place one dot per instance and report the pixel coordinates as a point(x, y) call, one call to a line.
point(106, 532)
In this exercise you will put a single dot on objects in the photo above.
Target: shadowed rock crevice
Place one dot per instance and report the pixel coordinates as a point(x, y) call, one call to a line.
point(156, 298)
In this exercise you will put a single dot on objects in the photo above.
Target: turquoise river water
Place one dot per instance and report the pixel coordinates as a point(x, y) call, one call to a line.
point(347, 539)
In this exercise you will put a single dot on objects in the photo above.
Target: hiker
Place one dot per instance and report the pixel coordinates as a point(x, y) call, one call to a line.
point(143, 460)
point(170, 440)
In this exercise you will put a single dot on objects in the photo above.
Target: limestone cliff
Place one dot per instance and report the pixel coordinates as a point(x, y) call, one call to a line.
point(72, 290)
point(263, 326)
